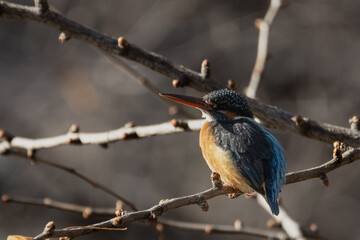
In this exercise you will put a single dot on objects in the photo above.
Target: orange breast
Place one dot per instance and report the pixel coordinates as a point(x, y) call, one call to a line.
point(220, 161)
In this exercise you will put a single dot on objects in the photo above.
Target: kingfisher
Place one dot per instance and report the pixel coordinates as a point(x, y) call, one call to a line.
point(246, 155)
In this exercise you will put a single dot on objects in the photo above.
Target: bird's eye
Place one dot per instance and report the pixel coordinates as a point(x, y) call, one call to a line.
point(211, 104)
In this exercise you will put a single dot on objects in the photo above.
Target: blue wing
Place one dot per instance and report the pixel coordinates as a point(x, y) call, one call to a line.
point(258, 156)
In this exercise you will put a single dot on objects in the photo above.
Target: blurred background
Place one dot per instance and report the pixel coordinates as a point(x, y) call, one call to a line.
point(46, 86)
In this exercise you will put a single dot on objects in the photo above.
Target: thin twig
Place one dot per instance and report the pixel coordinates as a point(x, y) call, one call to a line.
point(142, 80)
point(77, 174)
point(317, 172)
point(86, 211)
point(263, 25)
point(223, 229)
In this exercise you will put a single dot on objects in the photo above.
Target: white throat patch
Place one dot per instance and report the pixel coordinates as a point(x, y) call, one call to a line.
point(207, 116)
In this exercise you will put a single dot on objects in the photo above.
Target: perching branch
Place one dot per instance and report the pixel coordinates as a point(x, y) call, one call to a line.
point(270, 116)
point(264, 26)
point(150, 214)
point(200, 198)
point(87, 211)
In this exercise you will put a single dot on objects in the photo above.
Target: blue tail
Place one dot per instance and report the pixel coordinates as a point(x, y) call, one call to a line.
point(275, 173)
point(274, 206)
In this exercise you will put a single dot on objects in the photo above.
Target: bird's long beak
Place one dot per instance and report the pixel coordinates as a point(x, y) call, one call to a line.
point(188, 101)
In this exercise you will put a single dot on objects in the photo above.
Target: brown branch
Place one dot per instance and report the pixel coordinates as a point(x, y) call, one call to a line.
point(198, 198)
point(263, 25)
point(270, 116)
point(223, 229)
point(319, 171)
point(77, 174)
point(130, 51)
point(207, 228)
point(134, 75)
point(149, 214)
point(88, 211)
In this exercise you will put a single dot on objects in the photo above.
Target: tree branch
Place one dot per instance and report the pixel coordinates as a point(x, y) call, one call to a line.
point(291, 227)
point(130, 51)
point(76, 137)
point(319, 171)
point(77, 174)
point(88, 211)
point(142, 80)
point(264, 26)
point(270, 116)
point(199, 198)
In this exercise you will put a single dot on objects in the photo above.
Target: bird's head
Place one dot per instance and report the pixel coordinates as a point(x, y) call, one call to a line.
point(216, 104)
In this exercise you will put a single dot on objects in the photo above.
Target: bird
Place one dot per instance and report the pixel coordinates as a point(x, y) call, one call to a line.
point(245, 154)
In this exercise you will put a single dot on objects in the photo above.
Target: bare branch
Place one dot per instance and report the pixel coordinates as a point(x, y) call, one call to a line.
point(223, 229)
point(321, 131)
point(124, 133)
point(270, 116)
point(317, 172)
point(108, 44)
point(132, 74)
point(151, 213)
point(86, 211)
point(77, 174)
point(41, 5)
point(263, 25)
point(291, 227)
point(167, 205)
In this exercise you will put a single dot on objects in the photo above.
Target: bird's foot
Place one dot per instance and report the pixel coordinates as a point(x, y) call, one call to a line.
point(250, 195)
point(235, 192)
point(216, 180)
point(233, 195)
